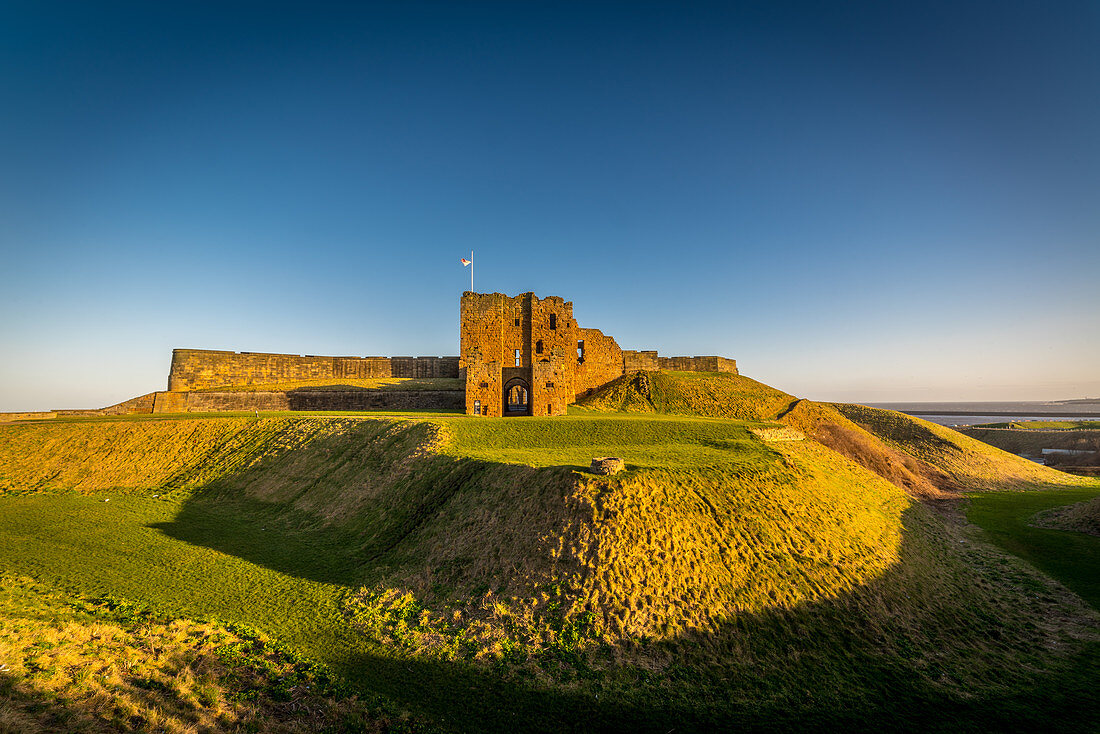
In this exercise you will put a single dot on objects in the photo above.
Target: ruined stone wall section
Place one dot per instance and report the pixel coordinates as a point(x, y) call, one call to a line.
point(496, 329)
point(649, 361)
point(522, 337)
point(603, 361)
point(697, 364)
point(552, 346)
point(640, 361)
point(195, 369)
point(481, 347)
point(320, 400)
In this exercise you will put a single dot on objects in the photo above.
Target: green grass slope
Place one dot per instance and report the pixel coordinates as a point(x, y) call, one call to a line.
point(712, 394)
point(926, 460)
point(89, 665)
point(466, 569)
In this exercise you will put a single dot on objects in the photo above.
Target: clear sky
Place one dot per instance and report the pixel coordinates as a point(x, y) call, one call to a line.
point(880, 201)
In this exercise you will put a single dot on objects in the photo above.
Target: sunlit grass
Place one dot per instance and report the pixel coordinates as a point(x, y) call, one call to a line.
point(451, 561)
point(79, 664)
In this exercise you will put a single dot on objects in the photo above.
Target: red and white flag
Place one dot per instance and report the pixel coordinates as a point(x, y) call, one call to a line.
point(466, 262)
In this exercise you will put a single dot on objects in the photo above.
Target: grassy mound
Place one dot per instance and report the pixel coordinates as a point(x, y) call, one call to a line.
point(95, 665)
point(926, 460)
point(452, 563)
point(974, 465)
point(713, 394)
point(1081, 517)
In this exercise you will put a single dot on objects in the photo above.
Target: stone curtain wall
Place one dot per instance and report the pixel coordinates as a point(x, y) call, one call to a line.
point(639, 361)
point(194, 369)
point(212, 402)
point(133, 406)
point(215, 402)
point(603, 361)
point(697, 364)
point(649, 361)
point(422, 366)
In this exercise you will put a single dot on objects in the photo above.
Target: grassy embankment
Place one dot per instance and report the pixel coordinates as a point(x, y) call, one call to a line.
point(79, 664)
point(463, 567)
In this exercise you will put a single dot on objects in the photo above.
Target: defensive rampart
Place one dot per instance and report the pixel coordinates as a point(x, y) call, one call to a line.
point(304, 399)
point(196, 369)
point(649, 361)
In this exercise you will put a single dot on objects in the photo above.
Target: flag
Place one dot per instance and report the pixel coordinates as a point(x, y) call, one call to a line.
point(466, 262)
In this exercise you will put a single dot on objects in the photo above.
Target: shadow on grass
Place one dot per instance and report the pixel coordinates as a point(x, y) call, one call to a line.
point(953, 661)
point(949, 663)
point(922, 647)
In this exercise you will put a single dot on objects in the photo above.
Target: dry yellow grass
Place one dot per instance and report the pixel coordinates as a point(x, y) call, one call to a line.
point(76, 665)
point(971, 464)
point(719, 565)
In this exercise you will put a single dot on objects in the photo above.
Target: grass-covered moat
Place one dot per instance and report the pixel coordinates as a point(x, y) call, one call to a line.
point(1070, 556)
point(459, 573)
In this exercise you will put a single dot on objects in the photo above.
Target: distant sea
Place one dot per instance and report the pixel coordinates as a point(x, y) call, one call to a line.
point(967, 414)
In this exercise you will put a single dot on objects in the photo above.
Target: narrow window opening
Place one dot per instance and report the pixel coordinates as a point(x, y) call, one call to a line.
point(538, 347)
point(580, 350)
point(553, 321)
point(548, 409)
point(518, 359)
point(477, 407)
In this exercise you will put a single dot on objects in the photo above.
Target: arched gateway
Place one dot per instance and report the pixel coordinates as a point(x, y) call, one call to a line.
point(517, 397)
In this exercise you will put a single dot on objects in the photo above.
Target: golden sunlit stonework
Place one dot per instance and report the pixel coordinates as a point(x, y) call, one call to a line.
point(526, 355)
point(520, 355)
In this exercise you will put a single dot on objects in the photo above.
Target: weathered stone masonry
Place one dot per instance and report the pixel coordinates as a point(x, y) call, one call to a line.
point(196, 369)
point(526, 355)
point(519, 355)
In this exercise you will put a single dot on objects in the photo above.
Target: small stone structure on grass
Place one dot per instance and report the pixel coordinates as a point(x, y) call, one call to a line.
point(607, 465)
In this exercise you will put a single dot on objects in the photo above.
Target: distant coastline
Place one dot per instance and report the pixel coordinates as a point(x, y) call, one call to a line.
point(970, 413)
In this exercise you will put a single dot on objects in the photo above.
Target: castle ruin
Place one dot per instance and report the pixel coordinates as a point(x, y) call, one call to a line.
point(519, 356)
point(526, 355)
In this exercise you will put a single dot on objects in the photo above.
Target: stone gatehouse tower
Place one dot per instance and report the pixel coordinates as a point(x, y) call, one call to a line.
point(526, 355)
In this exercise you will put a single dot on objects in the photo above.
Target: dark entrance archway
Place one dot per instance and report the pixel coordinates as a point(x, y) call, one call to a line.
point(517, 397)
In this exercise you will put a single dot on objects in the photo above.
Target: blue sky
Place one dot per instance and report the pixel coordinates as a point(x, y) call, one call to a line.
point(858, 202)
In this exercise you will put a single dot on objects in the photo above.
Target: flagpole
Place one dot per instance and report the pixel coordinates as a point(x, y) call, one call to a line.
point(471, 270)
